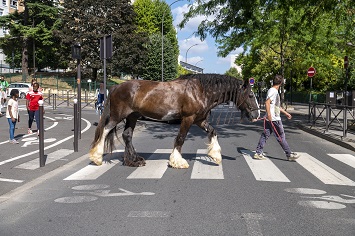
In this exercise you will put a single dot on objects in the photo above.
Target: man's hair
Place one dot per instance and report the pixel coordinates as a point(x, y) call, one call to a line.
point(14, 92)
point(278, 80)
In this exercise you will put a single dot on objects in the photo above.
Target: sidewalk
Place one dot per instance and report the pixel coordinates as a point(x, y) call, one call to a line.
point(300, 116)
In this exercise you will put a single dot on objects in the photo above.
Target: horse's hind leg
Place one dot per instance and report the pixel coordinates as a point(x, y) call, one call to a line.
point(130, 157)
point(176, 160)
point(214, 150)
point(97, 151)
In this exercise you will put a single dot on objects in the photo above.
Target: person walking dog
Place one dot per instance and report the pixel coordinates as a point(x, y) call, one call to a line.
point(273, 123)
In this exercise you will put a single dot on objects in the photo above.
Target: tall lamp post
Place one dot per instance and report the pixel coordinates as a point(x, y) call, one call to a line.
point(162, 42)
point(188, 51)
point(198, 62)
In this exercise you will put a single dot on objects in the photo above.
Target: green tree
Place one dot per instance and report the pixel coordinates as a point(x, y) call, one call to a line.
point(87, 21)
point(31, 32)
point(281, 36)
point(233, 72)
point(152, 15)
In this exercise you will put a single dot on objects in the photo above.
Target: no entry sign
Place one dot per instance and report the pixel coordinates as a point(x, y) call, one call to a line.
point(311, 72)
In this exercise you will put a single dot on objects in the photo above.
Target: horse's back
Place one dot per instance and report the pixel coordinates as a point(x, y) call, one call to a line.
point(159, 100)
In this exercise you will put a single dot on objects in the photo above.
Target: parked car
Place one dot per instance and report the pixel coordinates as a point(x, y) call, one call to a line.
point(23, 88)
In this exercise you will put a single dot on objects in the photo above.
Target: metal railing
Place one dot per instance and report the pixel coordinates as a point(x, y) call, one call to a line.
point(329, 116)
point(66, 98)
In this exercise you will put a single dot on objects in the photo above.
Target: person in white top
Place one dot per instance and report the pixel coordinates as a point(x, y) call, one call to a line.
point(273, 123)
point(12, 114)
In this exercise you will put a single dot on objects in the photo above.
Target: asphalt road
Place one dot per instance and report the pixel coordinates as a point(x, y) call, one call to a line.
point(242, 196)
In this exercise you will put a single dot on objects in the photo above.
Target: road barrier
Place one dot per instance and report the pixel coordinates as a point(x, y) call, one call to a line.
point(338, 117)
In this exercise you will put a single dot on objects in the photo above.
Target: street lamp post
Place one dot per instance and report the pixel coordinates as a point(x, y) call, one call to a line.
point(188, 51)
point(198, 62)
point(162, 42)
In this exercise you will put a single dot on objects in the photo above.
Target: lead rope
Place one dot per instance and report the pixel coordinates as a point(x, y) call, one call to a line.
point(273, 127)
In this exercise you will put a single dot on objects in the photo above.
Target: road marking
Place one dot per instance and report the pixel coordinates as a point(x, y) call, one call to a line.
point(34, 140)
point(11, 180)
point(92, 172)
point(155, 166)
point(323, 172)
point(264, 170)
point(345, 158)
point(48, 147)
point(149, 214)
point(26, 135)
point(51, 157)
point(205, 168)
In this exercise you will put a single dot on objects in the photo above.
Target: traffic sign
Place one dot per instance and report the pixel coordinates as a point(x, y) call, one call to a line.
point(251, 81)
point(311, 72)
point(346, 62)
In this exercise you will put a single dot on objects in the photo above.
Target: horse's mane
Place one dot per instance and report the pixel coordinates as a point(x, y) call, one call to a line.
point(222, 88)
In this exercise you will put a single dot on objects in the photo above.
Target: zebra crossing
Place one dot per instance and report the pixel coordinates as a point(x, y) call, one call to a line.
point(205, 169)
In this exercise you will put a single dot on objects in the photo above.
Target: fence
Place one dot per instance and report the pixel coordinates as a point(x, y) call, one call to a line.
point(66, 98)
point(340, 117)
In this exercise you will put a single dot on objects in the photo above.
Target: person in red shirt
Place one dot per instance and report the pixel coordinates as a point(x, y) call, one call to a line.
point(32, 105)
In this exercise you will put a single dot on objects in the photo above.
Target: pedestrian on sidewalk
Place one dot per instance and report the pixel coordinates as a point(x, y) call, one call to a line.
point(12, 114)
point(3, 87)
point(273, 123)
point(32, 105)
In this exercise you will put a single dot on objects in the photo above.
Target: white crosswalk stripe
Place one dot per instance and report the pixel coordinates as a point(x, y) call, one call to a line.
point(264, 170)
point(92, 172)
point(51, 157)
point(323, 172)
point(155, 166)
point(204, 168)
point(345, 158)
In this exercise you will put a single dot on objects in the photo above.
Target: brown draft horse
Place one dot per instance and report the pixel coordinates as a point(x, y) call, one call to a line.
point(189, 98)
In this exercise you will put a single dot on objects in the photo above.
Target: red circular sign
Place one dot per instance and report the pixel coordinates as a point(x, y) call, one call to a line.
point(311, 72)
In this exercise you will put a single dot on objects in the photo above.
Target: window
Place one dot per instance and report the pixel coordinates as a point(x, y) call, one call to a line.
point(1, 12)
point(4, 2)
point(13, 3)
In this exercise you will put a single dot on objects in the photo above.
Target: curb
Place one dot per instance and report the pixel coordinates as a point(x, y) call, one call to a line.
point(337, 140)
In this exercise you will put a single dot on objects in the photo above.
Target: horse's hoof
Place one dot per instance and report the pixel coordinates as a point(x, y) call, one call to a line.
point(216, 156)
point(97, 161)
point(183, 165)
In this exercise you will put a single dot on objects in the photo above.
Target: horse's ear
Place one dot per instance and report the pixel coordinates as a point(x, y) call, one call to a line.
point(246, 84)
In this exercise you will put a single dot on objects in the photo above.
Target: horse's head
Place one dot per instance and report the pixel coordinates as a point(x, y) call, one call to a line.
point(247, 103)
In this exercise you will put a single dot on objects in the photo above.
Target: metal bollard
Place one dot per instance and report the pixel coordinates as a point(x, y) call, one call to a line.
point(345, 122)
point(41, 135)
point(76, 125)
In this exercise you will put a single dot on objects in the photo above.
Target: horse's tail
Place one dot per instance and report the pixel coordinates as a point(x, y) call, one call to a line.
point(105, 118)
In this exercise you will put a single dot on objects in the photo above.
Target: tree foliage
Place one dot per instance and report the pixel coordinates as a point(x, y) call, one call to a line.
point(87, 21)
point(153, 16)
point(285, 37)
point(29, 32)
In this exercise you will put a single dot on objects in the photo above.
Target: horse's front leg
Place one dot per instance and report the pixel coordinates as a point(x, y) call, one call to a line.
point(97, 151)
point(130, 157)
point(176, 160)
point(214, 150)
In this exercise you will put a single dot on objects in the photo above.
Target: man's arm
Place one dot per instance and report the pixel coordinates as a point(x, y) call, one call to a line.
point(267, 107)
point(288, 115)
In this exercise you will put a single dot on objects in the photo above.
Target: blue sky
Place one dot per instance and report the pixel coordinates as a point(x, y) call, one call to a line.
point(204, 54)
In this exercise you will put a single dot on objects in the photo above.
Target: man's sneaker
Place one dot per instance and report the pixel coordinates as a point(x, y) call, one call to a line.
point(293, 156)
point(14, 141)
point(29, 131)
point(259, 156)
